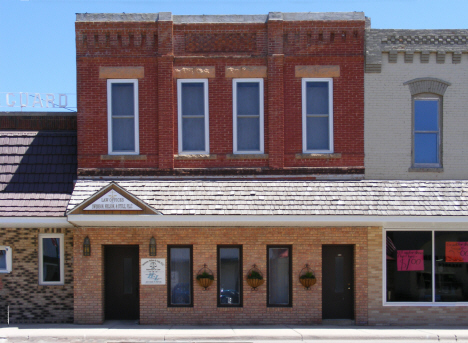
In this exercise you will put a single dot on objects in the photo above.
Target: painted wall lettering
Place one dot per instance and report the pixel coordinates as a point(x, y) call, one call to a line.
point(456, 252)
point(410, 260)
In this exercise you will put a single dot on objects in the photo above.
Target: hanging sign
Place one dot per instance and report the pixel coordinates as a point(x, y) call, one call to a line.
point(410, 260)
point(112, 201)
point(456, 252)
point(153, 271)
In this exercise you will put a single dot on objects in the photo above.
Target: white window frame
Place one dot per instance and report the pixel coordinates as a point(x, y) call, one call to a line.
point(9, 260)
point(428, 97)
point(206, 117)
point(304, 116)
point(418, 304)
point(62, 257)
point(109, 116)
point(235, 115)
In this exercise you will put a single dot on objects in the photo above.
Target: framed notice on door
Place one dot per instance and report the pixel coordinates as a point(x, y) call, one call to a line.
point(153, 271)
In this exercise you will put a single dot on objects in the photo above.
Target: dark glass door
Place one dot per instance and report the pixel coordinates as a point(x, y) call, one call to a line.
point(338, 282)
point(121, 282)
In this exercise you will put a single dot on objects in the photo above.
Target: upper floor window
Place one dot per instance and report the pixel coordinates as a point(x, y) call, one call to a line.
point(317, 115)
point(122, 111)
point(426, 131)
point(5, 259)
point(192, 103)
point(51, 259)
point(248, 116)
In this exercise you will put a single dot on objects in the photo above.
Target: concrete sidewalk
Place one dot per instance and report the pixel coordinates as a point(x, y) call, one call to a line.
point(118, 331)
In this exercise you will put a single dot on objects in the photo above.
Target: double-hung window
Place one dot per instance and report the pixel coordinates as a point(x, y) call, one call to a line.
point(279, 290)
point(426, 267)
point(426, 131)
point(5, 259)
point(122, 112)
point(317, 115)
point(248, 116)
point(229, 275)
point(51, 259)
point(180, 285)
point(192, 103)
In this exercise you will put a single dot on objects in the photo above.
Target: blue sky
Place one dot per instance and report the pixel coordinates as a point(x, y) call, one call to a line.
point(37, 38)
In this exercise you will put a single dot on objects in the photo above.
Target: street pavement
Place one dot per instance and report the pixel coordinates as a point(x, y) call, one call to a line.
point(130, 332)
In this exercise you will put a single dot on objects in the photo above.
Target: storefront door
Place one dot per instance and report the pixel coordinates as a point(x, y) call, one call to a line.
point(121, 282)
point(338, 282)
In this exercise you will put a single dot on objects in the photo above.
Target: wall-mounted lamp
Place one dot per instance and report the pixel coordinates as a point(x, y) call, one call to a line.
point(86, 247)
point(152, 247)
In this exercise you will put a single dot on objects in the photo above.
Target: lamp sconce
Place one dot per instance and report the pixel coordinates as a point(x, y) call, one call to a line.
point(152, 247)
point(86, 247)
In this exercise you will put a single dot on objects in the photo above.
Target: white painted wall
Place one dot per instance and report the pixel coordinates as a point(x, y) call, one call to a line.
point(388, 118)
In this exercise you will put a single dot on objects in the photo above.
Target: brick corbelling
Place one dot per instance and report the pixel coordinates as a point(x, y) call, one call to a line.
point(29, 302)
point(82, 172)
point(306, 248)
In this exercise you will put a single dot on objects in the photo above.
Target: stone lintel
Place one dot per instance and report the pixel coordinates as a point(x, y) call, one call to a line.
point(246, 72)
point(318, 71)
point(121, 72)
point(194, 72)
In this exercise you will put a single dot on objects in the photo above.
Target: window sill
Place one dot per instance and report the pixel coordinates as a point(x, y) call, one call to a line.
point(195, 157)
point(426, 169)
point(318, 156)
point(123, 157)
point(246, 156)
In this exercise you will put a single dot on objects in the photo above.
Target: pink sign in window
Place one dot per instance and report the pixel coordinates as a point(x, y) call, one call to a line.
point(410, 260)
point(456, 252)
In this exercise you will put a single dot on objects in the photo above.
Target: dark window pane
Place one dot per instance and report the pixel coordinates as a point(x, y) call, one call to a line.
point(127, 275)
point(409, 266)
point(2, 259)
point(426, 148)
point(180, 274)
point(229, 276)
point(278, 277)
point(339, 274)
point(248, 134)
point(123, 134)
point(317, 133)
point(123, 103)
point(193, 102)
point(248, 98)
point(426, 116)
point(317, 97)
point(451, 266)
point(51, 259)
point(193, 134)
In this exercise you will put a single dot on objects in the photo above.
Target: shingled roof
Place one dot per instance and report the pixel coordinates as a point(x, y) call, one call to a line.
point(252, 197)
point(37, 172)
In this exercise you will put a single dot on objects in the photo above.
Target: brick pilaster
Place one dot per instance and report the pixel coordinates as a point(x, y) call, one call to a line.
point(275, 91)
point(165, 91)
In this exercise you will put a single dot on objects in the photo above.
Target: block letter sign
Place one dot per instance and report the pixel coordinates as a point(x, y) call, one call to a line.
point(410, 260)
point(456, 252)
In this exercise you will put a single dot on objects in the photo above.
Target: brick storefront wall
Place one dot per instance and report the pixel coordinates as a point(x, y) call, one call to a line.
point(402, 315)
point(280, 46)
point(29, 302)
point(306, 248)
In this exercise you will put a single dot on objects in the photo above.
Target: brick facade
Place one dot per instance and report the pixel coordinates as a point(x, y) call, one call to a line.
point(30, 302)
point(280, 45)
point(306, 248)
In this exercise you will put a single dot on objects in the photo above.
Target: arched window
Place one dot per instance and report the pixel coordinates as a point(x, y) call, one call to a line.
point(427, 98)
